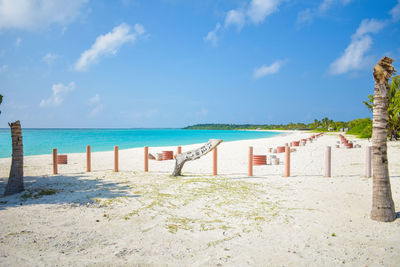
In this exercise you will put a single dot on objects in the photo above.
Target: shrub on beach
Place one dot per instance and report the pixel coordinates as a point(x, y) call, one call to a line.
point(362, 128)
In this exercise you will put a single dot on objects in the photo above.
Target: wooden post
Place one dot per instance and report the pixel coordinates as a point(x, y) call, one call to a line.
point(215, 161)
point(250, 171)
point(287, 162)
point(88, 159)
point(146, 158)
point(368, 162)
point(115, 158)
point(328, 161)
point(55, 163)
point(179, 150)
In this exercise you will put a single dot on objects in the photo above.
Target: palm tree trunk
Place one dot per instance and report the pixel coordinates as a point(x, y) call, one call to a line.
point(382, 202)
point(16, 180)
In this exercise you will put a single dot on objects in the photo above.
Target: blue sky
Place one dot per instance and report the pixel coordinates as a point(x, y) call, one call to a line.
point(172, 63)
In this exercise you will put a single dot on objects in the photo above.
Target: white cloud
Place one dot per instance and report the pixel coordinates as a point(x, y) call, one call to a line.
point(260, 9)
point(326, 5)
point(354, 56)
point(235, 17)
point(95, 99)
point(18, 42)
point(212, 36)
point(395, 12)
point(30, 15)
point(267, 70)
point(255, 12)
point(307, 15)
point(369, 26)
point(59, 92)
point(107, 44)
point(49, 58)
point(139, 29)
point(96, 110)
point(3, 68)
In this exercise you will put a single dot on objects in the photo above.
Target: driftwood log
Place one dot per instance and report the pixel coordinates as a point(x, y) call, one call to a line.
point(181, 159)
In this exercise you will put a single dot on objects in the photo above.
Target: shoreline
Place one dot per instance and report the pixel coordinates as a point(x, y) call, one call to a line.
point(284, 132)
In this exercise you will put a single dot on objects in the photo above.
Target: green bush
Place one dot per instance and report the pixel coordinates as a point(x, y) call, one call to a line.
point(361, 128)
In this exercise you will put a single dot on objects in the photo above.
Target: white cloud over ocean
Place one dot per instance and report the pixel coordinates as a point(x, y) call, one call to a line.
point(96, 110)
point(255, 12)
point(108, 44)
point(59, 92)
point(97, 106)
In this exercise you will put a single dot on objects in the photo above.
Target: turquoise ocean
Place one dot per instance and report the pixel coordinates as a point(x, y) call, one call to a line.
point(42, 141)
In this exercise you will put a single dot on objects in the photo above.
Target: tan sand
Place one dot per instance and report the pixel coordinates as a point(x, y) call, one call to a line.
point(138, 218)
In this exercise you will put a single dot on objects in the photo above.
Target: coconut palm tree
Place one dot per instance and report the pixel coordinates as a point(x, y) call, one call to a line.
point(325, 122)
point(16, 179)
point(316, 123)
point(382, 202)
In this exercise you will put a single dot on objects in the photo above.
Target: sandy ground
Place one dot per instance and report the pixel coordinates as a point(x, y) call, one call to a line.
point(143, 219)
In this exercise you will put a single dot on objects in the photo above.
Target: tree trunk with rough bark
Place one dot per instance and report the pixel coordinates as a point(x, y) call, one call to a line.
point(16, 180)
point(382, 202)
point(181, 159)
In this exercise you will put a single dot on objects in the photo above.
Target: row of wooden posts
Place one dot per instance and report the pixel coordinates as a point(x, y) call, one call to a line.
point(328, 160)
point(146, 159)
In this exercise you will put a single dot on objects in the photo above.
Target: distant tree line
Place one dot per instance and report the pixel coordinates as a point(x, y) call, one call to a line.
point(356, 127)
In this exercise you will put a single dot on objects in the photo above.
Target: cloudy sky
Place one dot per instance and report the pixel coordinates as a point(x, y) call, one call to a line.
point(172, 63)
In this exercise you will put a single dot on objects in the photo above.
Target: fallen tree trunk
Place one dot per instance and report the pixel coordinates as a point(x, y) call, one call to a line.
point(181, 159)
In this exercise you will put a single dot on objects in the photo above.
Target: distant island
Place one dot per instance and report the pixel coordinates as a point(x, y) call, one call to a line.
point(360, 127)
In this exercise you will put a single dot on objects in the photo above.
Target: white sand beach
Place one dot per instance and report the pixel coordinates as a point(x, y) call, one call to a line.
point(143, 219)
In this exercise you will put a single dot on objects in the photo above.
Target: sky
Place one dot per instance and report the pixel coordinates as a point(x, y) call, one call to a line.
point(173, 63)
